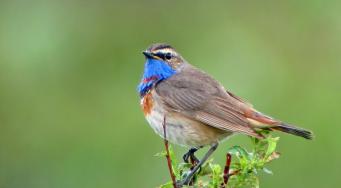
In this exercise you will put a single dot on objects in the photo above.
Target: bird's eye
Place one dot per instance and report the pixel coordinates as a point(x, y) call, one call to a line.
point(168, 56)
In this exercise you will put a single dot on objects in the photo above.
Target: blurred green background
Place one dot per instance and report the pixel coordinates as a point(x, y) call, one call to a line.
point(70, 115)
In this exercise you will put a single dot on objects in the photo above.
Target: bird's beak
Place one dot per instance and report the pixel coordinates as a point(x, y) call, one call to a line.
point(148, 54)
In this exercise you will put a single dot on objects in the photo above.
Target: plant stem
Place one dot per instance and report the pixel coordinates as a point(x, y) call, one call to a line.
point(227, 169)
point(169, 160)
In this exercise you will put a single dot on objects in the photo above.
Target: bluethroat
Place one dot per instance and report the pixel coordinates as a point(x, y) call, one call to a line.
point(197, 109)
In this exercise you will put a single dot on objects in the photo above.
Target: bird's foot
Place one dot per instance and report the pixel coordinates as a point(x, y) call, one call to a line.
point(190, 157)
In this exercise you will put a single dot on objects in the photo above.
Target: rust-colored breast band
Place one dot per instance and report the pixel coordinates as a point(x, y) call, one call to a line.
point(147, 103)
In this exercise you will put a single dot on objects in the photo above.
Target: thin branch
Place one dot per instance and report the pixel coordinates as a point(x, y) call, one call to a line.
point(227, 169)
point(235, 172)
point(169, 160)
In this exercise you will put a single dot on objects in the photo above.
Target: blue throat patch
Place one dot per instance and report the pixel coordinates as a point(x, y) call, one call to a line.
point(154, 72)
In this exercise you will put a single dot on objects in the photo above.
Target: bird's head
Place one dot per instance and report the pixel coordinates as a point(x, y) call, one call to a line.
point(162, 62)
point(165, 54)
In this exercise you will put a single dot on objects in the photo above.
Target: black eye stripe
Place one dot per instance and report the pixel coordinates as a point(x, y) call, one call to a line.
point(160, 55)
point(164, 55)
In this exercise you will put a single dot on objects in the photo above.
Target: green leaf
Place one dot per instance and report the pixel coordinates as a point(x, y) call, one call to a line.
point(206, 168)
point(239, 152)
point(216, 178)
point(184, 166)
point(267, 171)
point(161, 154)
point(272, 143)
point(167, 185)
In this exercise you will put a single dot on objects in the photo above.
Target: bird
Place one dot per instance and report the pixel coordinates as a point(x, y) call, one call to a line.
point(195, 109)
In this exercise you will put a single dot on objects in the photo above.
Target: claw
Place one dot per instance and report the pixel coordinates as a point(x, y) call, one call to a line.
point(190, 155)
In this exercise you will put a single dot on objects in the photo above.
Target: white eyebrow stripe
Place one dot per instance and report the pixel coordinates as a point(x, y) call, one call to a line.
point(165, 50)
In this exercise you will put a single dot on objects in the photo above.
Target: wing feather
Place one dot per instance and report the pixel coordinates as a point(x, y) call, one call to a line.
point(205, 100)
point(224, 125)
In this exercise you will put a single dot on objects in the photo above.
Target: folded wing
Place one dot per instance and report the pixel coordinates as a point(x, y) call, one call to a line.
point(198, 96)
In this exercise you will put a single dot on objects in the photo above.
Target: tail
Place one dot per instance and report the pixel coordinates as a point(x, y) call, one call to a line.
point(294, 131)
point(258, 118)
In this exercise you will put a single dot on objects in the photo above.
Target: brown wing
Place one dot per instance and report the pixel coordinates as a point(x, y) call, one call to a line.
point(238, 98)
point(198, 96)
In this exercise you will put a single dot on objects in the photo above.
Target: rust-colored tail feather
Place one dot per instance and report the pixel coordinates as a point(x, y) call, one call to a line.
point(294, 131)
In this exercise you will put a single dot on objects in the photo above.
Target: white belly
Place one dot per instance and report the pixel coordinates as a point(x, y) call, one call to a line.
point(182, 130)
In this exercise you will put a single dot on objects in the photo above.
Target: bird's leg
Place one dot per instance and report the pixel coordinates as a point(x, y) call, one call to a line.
point(190, 155)
point(190, 175)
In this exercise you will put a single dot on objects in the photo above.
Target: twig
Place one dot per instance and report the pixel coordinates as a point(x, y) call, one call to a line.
point(235, 172)
point(169, 160)
point(227, 169)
